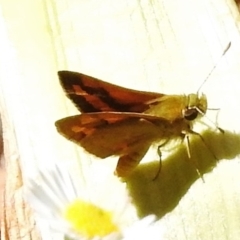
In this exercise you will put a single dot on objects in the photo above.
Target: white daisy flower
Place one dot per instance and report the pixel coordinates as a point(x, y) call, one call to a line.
point(56, 198)
point(143, 229)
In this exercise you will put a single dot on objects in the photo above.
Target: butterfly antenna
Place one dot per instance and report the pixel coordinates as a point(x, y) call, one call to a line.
point(224, 52)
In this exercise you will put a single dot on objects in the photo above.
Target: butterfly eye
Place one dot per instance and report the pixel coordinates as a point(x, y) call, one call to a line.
point(190, 114)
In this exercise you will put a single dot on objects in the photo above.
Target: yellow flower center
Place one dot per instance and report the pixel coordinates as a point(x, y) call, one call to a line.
point(89, 220)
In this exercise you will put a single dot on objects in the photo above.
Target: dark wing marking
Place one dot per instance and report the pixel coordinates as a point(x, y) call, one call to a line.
point(93, 95)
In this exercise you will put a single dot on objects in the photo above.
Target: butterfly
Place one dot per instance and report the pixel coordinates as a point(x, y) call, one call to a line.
point(125, 122)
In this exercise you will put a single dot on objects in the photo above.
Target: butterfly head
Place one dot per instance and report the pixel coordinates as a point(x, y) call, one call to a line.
point(197, 106)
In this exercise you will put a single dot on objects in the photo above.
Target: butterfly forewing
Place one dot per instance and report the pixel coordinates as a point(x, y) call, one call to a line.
point(93, 95)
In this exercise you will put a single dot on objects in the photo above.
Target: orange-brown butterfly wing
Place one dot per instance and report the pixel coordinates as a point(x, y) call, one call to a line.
point(93, 95)
point(110, 133)
point(128, 135)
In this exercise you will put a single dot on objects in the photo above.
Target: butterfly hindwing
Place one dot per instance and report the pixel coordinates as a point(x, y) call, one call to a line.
point(106, 134)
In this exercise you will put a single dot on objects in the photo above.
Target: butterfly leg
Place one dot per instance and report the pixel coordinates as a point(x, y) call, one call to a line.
point(214, 122)
point(160, 160)
point(188, 146)
point(203, 140)
point(189, 154)
point(128, 162)
point(189, 149)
